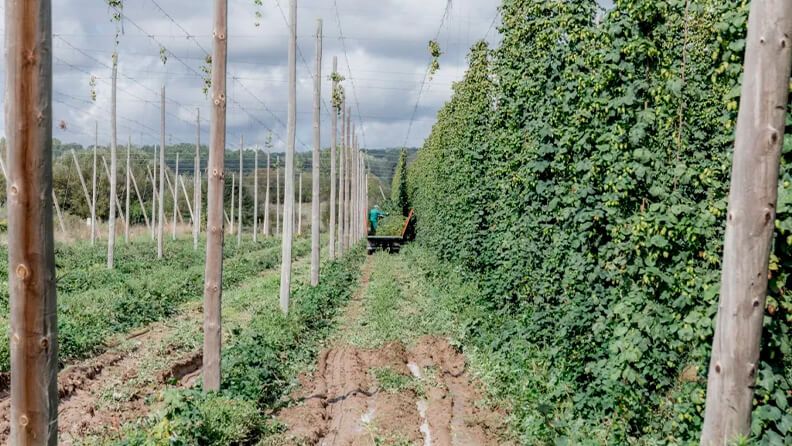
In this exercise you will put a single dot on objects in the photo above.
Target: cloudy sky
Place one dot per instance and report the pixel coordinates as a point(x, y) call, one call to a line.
point(386, 50)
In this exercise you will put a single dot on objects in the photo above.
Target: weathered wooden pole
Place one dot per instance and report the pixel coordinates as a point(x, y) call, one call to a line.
point(255, 194)
point(233, 201)
point(111, 221)
point(107, 174)
point(93, 185)
point(213, 281)
point(333, 144)
point(180, 180)
point(317, 134)
point(82, 179)
point(58, 210)
point(140, 199)
point(127, 191)
point(298, 208)
point(267, 199)
point(175, 196)
point(154, 195)
point(161, 212)
point(348, 179)
point(341, 182)
point(277, 200)
point(749, 225)
point(241, 175)
point(288, 199)
point(31, 256)
point(353, 191)
point(196, 228)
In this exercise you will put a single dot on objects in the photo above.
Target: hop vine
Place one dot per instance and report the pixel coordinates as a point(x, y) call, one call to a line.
point(435, 52)
point(163, 54)
point(92, 85)
point(206, 69)
point(258, 13)
point(116, 16)
point(339, 95)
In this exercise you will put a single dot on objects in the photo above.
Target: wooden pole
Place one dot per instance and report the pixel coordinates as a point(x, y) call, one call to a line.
point(348, 178)
point(277, 200)
point(341, 182)
point(82, 180)
point(288, 199)
point(31, 256)
point(173, 187)
point(298, 208)
point(196, 227)
point(267, 199)
point(317, 130)
point(352, 191)
point(58, 210)
point(140, 198)
point(333, 144)
point(126, 214)
point(161, 211)
point(180, 180)
point(213, 283)
point(93, 186)
point(111, 221)
point(749, 227)
point(175, 193)
point(255, 195)
point(154, 196)
point(241, 175)
point(107, 175)
point(233, 201)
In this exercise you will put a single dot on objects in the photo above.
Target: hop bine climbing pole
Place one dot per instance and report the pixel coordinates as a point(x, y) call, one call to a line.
point(241, 175)
point(213, 276)
point(197, 180)
point(255, 194)
point(288, 199)
point(111, 222)
point(31, 256)
point(333, 144)
point(341, 182)
point(161, 193)
point(750, 223)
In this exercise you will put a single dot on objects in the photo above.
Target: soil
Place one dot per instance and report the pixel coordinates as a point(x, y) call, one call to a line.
point(434, 402)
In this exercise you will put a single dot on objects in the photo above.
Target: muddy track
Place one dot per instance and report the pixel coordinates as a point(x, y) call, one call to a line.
point(92, 399)
point(436, 403)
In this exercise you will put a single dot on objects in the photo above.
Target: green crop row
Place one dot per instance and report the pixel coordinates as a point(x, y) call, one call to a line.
point(579, 174)
point(95, 303)
point(259, 364)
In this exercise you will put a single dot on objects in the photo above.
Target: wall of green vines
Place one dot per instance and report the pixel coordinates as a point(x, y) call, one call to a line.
point(579, 174)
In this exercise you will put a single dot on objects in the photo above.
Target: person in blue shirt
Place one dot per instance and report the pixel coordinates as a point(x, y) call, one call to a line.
point(374, 216)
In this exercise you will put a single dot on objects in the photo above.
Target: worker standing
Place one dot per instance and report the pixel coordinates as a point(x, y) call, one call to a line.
point(374, 216)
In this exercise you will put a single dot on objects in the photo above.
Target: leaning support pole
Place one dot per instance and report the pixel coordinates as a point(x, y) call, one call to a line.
point(175, 193)
point(213, 275)
point(82, 180)
point(140, 199)
point(749, 225)
point(288, 199)
point(31, 256)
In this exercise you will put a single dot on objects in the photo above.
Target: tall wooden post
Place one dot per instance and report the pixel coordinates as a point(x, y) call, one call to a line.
point(288, 199)
point(233, 201)
point(298, 208)
point(277, 200)
point(352, 192)
point(93, 185)
point(749, 225)
point(196, 228)
point(333, 144)
point(161, 212)
point(31, 256)
point(213, 282)
point(317, 134)
point(241, 175)
point(267, 199)
point(255, 194)
point(348, 178)
point(154, 195)
point(127, 191)
point(111, 223)
point(341, 182)
point(175, 196)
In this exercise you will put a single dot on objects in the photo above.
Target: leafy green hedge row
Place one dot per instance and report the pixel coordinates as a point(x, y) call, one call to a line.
point(579, 174)
point(258, 368)
point(95, 303)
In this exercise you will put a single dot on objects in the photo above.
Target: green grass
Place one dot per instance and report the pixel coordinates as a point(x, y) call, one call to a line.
point(261, 359)
point(95, 303)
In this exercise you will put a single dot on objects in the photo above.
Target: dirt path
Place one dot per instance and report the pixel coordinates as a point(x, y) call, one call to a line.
point(393, 394)
point(101, 394)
